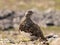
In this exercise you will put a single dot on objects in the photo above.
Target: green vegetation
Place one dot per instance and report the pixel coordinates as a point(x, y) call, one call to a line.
point(57, 5)
point(54, 29)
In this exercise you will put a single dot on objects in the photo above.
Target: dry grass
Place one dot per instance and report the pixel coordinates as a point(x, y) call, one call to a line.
point(24, 5)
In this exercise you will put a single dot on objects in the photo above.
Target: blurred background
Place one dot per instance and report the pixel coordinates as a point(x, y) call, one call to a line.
point(27, 4)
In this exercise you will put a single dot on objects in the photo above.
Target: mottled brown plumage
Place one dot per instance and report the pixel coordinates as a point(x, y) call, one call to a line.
point(27, 25)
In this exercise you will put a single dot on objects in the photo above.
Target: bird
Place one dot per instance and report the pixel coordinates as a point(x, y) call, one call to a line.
point(28, 26)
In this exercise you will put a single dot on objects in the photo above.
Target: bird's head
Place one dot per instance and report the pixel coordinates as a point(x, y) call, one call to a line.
point(29, 13)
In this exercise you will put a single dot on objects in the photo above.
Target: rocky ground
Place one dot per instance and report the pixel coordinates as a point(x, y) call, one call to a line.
point(16, 38)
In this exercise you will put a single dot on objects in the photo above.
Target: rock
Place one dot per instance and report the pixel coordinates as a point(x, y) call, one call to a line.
point(55, 42)
point(51, 37)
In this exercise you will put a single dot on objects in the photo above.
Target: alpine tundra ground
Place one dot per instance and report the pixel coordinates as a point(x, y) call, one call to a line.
point(13, 37)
